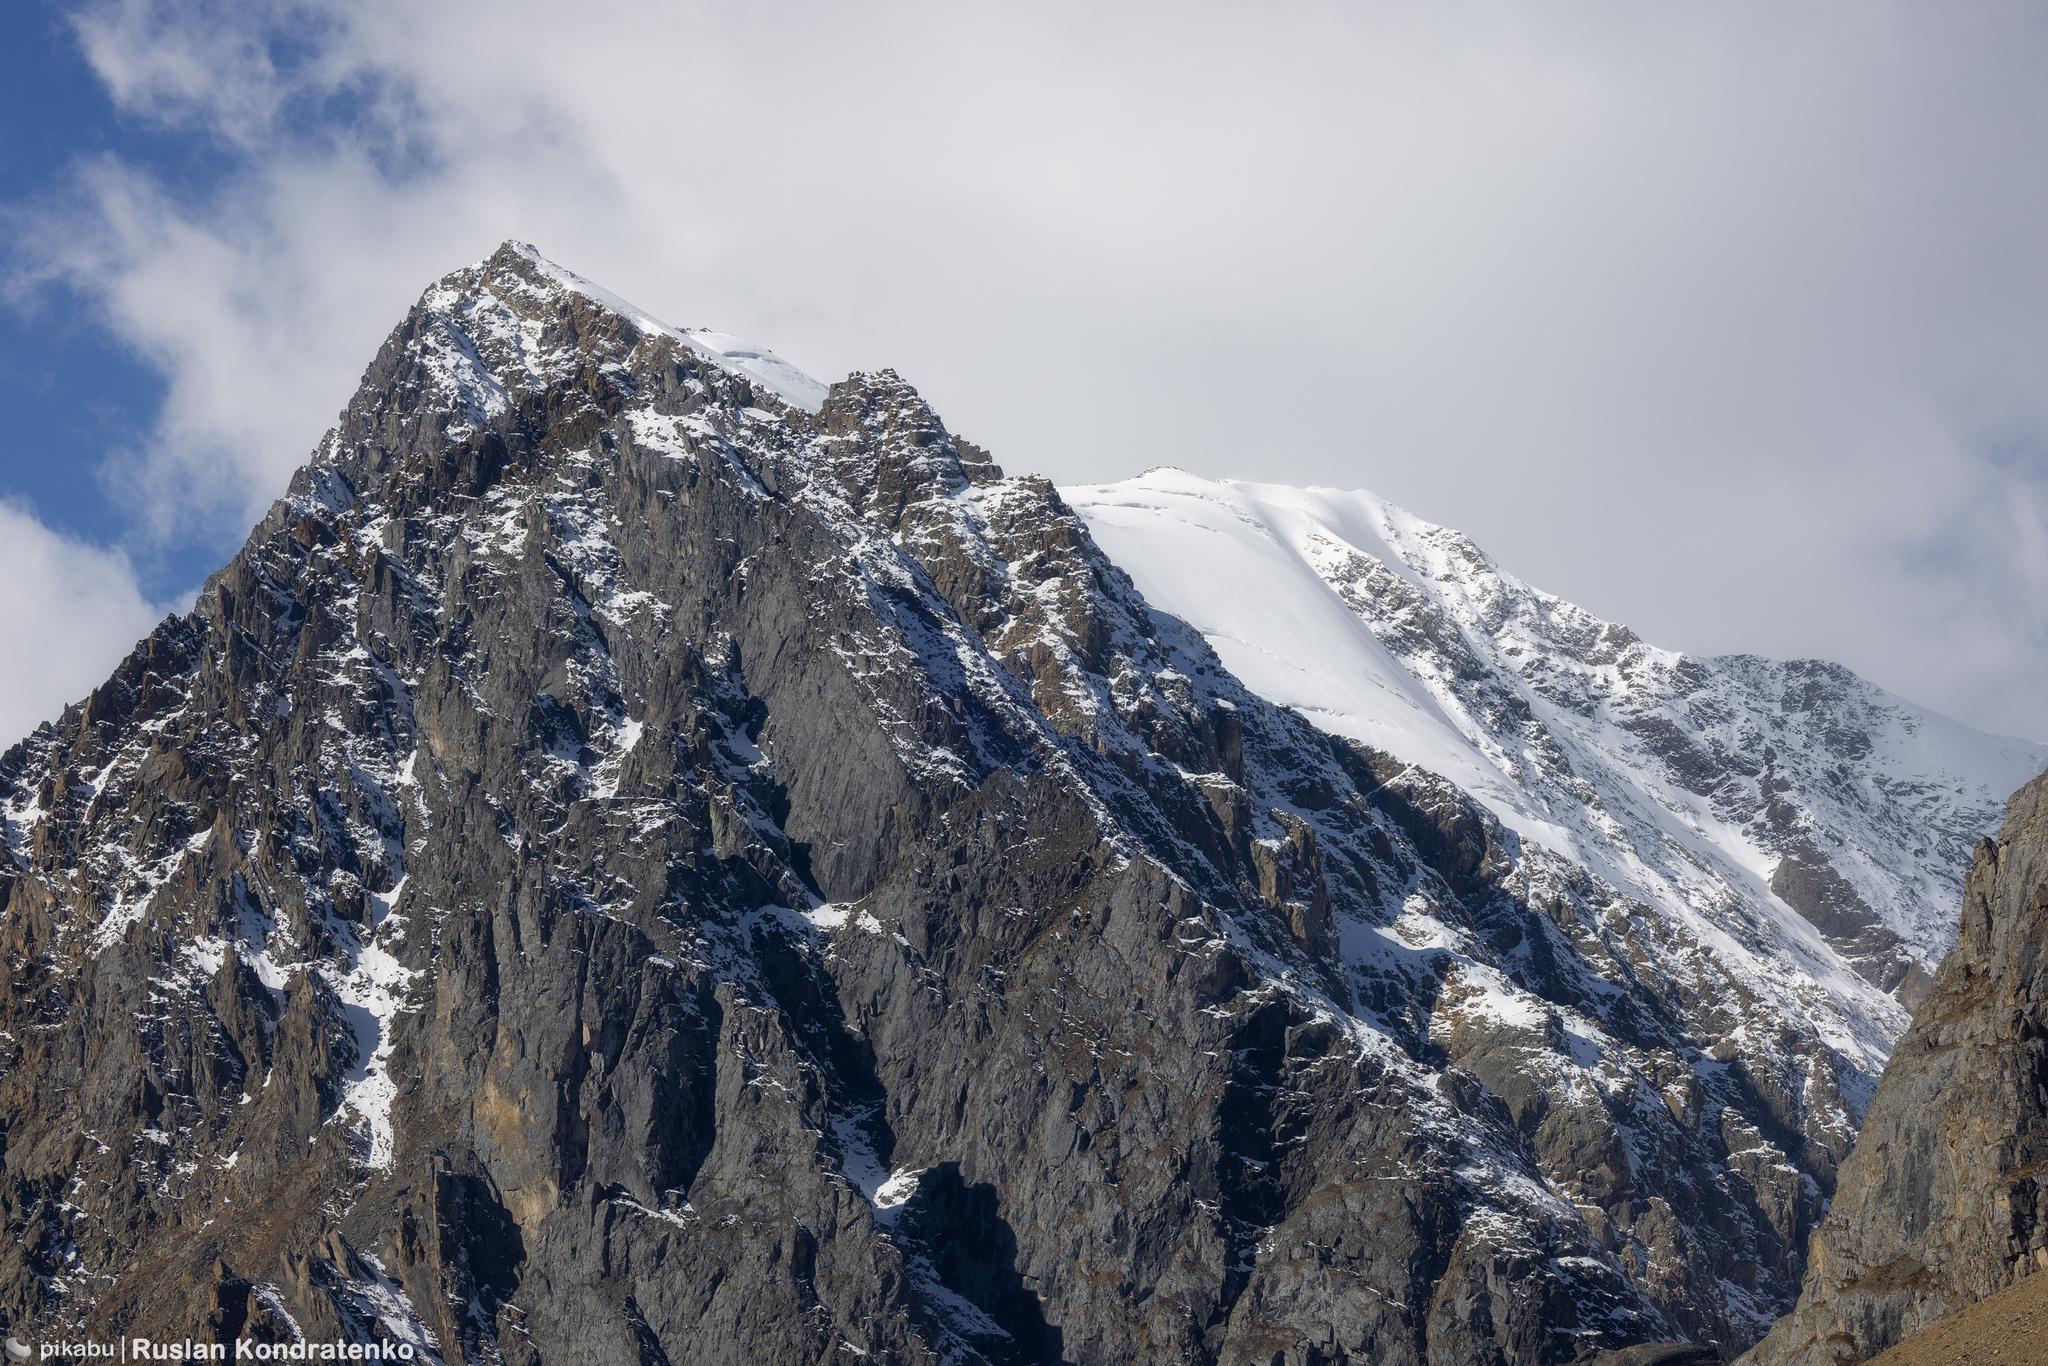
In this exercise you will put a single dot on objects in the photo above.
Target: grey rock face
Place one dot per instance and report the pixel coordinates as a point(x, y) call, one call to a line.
point(1941, 1203)
point(621, 867)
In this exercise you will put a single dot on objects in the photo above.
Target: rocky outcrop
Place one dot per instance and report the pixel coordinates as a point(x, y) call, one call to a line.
point(626, 867)
point(1942, 1203)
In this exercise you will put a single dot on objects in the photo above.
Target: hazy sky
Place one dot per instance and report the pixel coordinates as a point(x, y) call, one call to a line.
point(1726, 320)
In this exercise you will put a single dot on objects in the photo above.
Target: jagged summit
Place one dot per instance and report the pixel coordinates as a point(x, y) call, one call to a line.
point(628, 863)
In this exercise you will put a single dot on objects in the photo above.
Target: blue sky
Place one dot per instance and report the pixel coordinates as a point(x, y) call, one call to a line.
point(72, 390)
point(1724, 321)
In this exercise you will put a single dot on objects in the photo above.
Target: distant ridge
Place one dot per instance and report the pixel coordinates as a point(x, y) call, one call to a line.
point(1772, 802)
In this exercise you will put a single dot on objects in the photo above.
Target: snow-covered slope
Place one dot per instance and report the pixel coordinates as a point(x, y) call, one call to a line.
point(1792, 814)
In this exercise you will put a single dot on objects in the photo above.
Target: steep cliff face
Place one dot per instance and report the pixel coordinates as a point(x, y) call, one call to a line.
point(645, 857)
point(1942, 1202)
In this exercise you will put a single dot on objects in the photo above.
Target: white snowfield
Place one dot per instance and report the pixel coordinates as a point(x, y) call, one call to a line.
point(1680, 780)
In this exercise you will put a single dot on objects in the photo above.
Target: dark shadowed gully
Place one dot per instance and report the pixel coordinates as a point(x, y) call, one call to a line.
point(624, 867)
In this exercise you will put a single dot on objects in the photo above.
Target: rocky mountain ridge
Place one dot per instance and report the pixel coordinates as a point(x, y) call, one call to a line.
point(644, 854)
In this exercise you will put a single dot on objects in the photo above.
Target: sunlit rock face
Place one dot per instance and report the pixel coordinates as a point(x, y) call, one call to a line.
point(646, 857)
point(1942, 1203)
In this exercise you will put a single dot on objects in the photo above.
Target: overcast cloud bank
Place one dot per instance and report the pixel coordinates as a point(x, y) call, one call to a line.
point(1726, 322)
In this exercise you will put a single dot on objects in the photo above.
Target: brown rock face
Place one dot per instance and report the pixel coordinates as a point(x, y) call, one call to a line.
point(1941, 1203)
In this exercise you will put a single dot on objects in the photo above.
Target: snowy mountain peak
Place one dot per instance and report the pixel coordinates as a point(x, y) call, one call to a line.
point(639, 848)
point(1792, 808)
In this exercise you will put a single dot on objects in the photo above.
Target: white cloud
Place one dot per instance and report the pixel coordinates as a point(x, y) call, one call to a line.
point(1722, 320)
point(155, 59)
point(72, 612)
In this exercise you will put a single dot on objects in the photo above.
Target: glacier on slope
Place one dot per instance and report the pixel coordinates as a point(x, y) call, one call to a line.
point(1810, 828)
